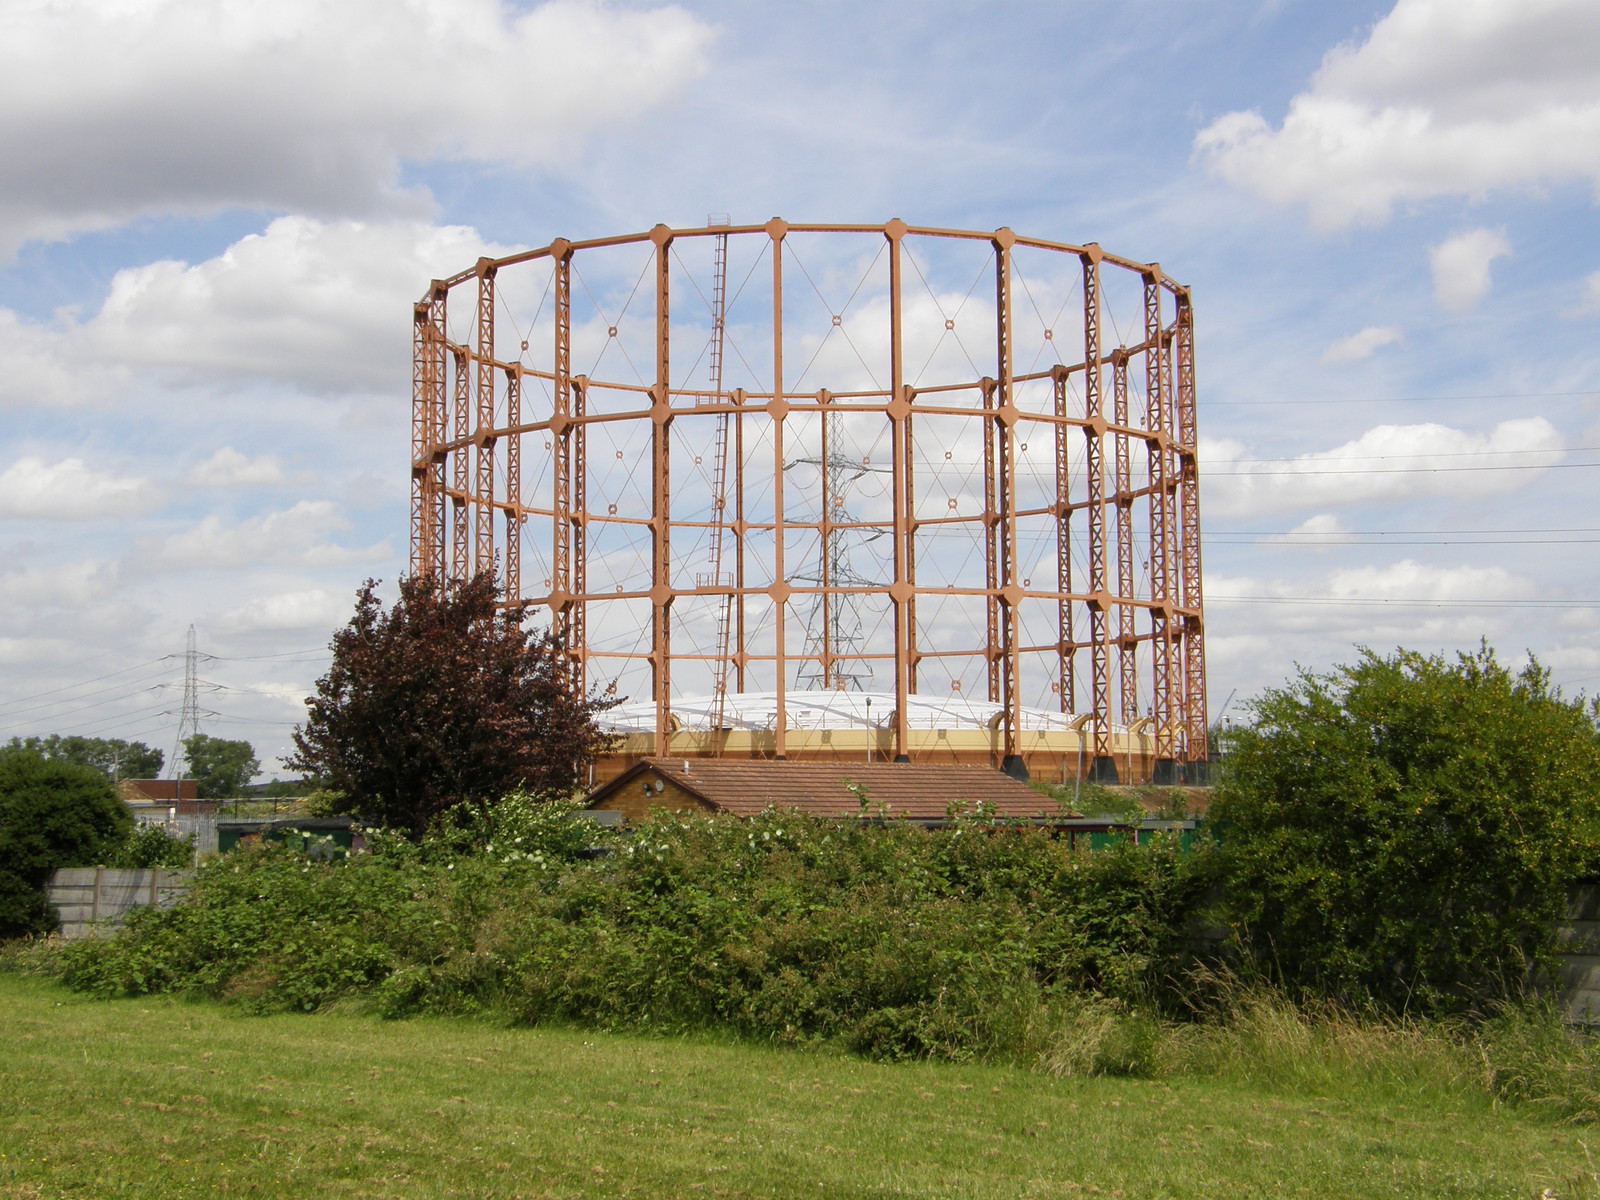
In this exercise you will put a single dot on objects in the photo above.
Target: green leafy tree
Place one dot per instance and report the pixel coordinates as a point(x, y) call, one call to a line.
point(1405, 829)
point(52, 814)
point(444, 699)
point(291, 788)
point(112, 757)
point(152, 846)
point(219, 767)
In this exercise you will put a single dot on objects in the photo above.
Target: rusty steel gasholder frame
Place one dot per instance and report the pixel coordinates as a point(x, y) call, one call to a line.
point(767, 464)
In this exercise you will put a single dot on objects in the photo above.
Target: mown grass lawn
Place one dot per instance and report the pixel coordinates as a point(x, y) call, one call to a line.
point(166, 1100)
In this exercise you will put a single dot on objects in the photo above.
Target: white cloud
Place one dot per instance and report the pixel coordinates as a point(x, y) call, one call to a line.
point(320, 306)
point(1460, 267)
point(39, 367)
point(1590, 303)
point(112, 111)
point(71, 490)
point(228, 468)
point(1388, 462)
point(1256, 623)
point(296, 537)
point(1406, 580)
point(1321, 531)
point(1362, 345)
point(1445, 97)
point(1410, 580)
point(314, 609)
point(85, 581)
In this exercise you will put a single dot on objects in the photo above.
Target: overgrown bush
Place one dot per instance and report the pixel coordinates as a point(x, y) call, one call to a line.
point(896, 941)
point(1404, 830)
point(52, 814)
point(151, 846)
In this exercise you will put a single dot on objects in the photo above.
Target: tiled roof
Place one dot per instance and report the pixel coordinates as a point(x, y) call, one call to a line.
point(919, 791)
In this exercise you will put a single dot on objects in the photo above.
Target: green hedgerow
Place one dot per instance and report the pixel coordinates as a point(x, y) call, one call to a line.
point(897, 941)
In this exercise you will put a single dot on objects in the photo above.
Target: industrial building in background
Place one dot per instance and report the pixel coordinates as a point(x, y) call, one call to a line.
point(865, 493)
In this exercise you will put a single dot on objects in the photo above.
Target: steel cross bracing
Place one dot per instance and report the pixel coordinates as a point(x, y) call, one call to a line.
point(967, 507)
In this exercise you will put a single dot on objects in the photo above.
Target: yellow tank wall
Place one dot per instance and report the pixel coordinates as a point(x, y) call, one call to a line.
point(1051, 756)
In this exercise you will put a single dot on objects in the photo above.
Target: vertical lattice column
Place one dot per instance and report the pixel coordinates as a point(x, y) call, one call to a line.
point(1008, 595)
point(1099, 599)
point(513, 501)
point(661, 497)
point(421, 439)
point(428, 435)
point(777, 408)
point(908, 396)
point(1158, 388)
point(1190, 600)
point(483, 433)
point(741, 658)
point(460, 525)
point(1122, 498)
point(899, 412)
point(564, 519)
point(828, 507)
point(1066, 683)
point(439, 406)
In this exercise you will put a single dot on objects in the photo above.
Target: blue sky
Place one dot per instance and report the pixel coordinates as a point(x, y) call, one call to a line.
point(216, 215)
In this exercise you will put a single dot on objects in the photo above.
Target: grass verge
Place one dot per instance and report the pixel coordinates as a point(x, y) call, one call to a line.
point(157, 1097)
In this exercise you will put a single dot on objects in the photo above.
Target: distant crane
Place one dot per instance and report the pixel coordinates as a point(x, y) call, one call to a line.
point(1223, 711)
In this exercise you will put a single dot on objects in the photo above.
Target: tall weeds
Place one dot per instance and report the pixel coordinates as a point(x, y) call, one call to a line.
point(1250, 1032)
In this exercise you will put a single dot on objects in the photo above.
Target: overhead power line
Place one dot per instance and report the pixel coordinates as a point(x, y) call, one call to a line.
point(1402, 532)
point(85, 683)
point(1334, 540)
point(1400, 399)
point(1213, 598)
point(1428, 454)
point(1214, 473)
point(56, 711)
point(312, 653)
